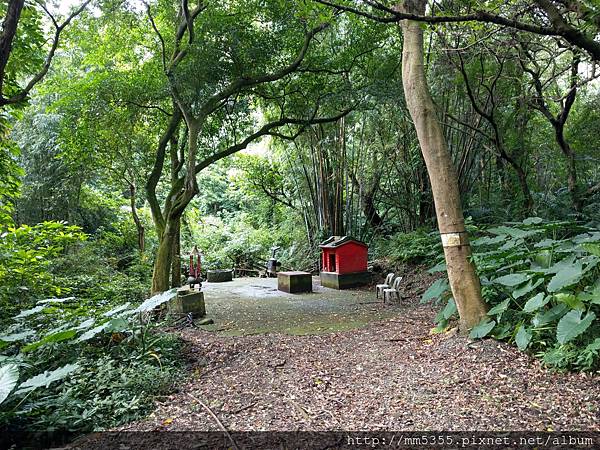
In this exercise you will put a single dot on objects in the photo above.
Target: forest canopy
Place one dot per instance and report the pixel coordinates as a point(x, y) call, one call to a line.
point(459, 137)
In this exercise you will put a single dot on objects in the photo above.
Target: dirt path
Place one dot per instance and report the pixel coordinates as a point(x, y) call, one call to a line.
point(390, 374)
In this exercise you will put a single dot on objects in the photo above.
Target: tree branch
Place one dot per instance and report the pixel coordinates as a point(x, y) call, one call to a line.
point(246, 82)
point(44, 70)
point(263, 131)
point(559, 26)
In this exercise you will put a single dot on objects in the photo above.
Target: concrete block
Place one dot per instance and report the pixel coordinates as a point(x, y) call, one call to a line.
point(218, 276)
point(188, 301)
point(294, 282)
point(345, 280)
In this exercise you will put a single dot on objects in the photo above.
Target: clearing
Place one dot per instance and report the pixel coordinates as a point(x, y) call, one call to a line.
point(334, 360)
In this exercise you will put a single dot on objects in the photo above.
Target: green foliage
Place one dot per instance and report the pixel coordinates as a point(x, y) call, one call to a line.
point(482, 330)
point(26, 255)
point(417, 247)
point(436, 290)
point(66, 374)
point(10, 171)
point(9, 376)
point(234, 227)
point(541, 282)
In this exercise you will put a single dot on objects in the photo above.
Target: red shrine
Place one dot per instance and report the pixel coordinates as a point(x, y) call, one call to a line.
point(344, 262)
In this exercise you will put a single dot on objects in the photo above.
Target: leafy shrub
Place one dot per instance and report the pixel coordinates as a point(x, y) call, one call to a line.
point(541, 280)
point(238, 243)
point(26, 254)
point(69, 366)
point(417, 247)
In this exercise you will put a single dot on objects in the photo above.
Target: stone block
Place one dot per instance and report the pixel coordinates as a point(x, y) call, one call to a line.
point(345, 280)
point(188, 301)
point(294, 282)
point(219, 276)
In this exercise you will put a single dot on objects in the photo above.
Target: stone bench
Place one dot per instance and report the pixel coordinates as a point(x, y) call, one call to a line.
point(219, 276)
point(294, 282)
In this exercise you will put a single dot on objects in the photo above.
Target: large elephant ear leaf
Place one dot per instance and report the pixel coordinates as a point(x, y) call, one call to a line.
point(482, 329)
point(572, 325)
point(523, 337)
point(156, 300)
point(512, 279)
point(436, 290)
point(46, 378)
point(565, 277)
point(9, 375)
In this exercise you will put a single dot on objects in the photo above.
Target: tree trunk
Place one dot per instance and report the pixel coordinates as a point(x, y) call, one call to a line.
point(442, 174)
point(141, 232)
point(9, 30)
point(164, 257)
point(571, 167)
point(181, 193)
point(522, 177)
point(176, 256)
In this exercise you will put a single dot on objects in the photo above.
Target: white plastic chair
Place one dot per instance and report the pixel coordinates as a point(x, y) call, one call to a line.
point(386, 284)
point(394, 291)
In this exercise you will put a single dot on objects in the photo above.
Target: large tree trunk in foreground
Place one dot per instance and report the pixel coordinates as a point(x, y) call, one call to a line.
point(442, 174)
point(176, 257)
point(164, 256)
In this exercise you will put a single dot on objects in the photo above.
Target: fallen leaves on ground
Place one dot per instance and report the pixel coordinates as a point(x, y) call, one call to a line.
point(390, 375)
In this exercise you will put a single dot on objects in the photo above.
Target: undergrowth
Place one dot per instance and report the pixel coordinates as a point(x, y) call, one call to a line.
point(541, 281)
point(79, 350)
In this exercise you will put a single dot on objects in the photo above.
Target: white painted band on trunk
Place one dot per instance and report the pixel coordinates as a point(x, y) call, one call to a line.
point(451, 239)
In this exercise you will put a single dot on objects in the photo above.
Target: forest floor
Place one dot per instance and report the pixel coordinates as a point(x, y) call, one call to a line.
point(387, 372)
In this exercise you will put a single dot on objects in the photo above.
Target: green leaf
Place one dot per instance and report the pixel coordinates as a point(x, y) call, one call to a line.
point(536, 302)
point(532, 221)
point(572, 325)
point(117, 310)
point(527, 288)
point(30, 312)
point(46, 378)
point(565, 277)
point(542, 259)
point(594, 249)
point(513, 279)
point(594, 346)
point(513, 232)
point(570, 300)
point(85, 324)
point(156, 300)
point(55, 300)
point(549, 316)
point(486, 240)
point(499, 308)
point(441, 267)
point(482, 329)
point(591, 294)
point(17, 336)
point(435, 290)
point(89, 334)
point(450, 309)
point(562, 264)
point(545, 243)
point(523, 337)
point(116, 325)
point(9, 376)
point(51, 338)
